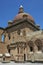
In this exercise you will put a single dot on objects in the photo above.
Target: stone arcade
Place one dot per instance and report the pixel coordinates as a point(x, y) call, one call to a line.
point(21, 40)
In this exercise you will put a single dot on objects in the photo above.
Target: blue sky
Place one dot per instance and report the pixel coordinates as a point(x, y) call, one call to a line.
point(9, 9)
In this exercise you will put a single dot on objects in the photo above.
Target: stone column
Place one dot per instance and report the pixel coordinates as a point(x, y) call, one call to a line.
point(35, 48)
point(7, 41)
point(28, 49)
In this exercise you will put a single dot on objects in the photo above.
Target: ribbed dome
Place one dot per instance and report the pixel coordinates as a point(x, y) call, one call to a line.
point(21, 14)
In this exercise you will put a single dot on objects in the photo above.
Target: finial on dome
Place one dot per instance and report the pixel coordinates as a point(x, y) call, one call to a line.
point(21, 10)
point(21, 6)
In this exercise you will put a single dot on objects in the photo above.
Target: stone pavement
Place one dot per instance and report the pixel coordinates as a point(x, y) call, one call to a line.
point(21, 63)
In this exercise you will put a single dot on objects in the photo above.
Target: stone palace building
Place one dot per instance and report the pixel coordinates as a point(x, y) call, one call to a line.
point(21, 40)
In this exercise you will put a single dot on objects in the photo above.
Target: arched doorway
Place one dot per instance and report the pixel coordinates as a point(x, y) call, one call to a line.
point(8, 49)
point(31, 46)
point(38, 43)
point(21, 48)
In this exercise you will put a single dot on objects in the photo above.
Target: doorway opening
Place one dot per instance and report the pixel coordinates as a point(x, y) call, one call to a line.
point(31, 49)
point(9, 50)
point(24, 57)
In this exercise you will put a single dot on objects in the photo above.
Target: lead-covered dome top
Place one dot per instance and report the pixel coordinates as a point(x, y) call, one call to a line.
point(21, 14)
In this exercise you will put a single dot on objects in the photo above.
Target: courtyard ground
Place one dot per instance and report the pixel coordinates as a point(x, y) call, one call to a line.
point(12, 63)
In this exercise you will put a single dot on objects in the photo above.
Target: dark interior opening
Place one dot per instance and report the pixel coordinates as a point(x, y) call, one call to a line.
point(9, 36)
point(31, 48)
point(18, 50)
point(9, 50)
point(3, 59)
point(24, 57)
